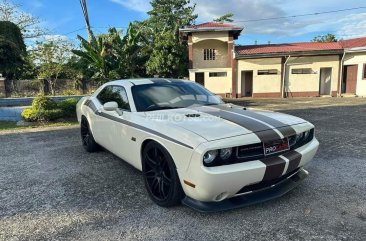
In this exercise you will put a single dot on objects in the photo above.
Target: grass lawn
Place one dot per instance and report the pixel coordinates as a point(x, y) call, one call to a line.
point(11, 125)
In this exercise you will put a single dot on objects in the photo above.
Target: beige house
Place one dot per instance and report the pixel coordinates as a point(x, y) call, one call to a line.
point(273, 70)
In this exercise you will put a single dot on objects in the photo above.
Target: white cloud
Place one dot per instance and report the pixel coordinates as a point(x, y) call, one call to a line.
point(136, 5)
point(352, 26)
point(344, 24)
point(244, 10)
point(55, 37)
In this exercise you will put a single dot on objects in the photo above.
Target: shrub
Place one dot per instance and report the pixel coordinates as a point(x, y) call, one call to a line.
point(29, 115)
point(43, 103)
point(43, 109)
point(32, 115)
point(68, 107)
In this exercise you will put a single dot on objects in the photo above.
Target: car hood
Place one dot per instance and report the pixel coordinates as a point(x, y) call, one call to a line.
point(224, 121)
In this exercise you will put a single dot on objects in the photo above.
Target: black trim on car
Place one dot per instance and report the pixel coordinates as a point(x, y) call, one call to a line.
point(91, 105)
point(259, 196)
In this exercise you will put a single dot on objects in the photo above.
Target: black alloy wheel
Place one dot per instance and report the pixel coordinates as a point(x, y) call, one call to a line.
point(160, 176)
point(87, 138)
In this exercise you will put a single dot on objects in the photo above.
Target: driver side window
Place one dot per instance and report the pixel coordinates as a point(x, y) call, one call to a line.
point(114, 93)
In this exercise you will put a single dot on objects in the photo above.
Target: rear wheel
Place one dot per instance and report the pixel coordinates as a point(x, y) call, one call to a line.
point(160, 176)
point(87, 138)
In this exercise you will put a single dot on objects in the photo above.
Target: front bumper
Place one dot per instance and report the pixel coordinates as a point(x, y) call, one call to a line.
point(217, 184)
point(261, 195)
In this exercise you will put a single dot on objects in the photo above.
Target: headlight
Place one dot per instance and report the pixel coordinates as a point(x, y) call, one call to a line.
point(225, 153)
point(306, 134)
point(301, 138)
point(210, 156)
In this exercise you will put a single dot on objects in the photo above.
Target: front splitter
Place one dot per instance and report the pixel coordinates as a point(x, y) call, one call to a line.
point(244, 200)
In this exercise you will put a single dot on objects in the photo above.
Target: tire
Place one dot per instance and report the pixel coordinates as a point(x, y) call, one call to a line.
point(160, 176)
point(87, 137)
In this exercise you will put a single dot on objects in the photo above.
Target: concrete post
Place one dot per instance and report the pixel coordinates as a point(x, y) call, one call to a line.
point(2, 87)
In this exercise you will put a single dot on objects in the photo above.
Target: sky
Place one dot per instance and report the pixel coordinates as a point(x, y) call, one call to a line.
point(64, 17)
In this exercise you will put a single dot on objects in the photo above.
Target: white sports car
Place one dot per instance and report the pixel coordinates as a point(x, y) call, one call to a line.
point(192, 147)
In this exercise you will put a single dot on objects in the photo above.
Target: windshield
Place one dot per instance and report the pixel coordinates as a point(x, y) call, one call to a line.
point(171, 95)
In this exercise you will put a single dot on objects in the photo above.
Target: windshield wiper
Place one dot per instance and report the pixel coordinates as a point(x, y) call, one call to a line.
point(152, 108)
point(207, 104)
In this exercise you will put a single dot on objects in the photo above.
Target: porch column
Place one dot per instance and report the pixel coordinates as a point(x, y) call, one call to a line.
point(234, 81)
point(190, 51)
point(2, 87)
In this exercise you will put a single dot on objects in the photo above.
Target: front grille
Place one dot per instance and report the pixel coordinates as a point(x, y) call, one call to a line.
point(265, 184)
point(250, 151)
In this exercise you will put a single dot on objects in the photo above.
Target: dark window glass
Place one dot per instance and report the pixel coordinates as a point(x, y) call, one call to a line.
point(302, 71)
point(218, 74)
point(364, 72)
point(114, 93)
point(268, 72)
point(172, 95)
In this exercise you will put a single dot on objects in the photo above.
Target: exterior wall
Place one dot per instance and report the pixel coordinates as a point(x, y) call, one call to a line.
point(360, 60)
point(221, 36)
point(263, 85)
point(308, 84)
point(217, 85)
point(221, 54)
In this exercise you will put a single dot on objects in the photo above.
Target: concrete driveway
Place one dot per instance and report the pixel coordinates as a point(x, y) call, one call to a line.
point(51, 189)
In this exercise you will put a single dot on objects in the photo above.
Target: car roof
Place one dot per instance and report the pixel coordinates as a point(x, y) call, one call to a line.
point(144, 81)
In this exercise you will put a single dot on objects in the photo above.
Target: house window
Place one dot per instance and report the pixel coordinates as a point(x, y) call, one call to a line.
point(268, 72)
point(302, 71)
point(364, 72)
point(218, 74)
point(209, 54)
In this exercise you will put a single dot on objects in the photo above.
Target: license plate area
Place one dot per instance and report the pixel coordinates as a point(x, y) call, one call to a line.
point(277, 146)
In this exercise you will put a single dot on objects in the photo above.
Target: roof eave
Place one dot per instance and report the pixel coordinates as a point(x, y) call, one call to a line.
point(190, 30)
point(283, 54)
point(358, 49)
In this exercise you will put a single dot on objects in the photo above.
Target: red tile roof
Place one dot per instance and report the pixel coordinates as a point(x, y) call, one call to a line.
point(353, 43)
point(286, 48)
point(300, 47)
point(214, 25)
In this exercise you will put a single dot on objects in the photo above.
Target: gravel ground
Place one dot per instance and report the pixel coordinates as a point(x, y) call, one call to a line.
point(51, 189)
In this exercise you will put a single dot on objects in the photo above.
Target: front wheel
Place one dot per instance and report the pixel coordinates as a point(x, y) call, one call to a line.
point(87, 137)
point(160, 176)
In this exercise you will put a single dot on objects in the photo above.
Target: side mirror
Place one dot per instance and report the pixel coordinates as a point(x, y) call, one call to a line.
point(110, 106)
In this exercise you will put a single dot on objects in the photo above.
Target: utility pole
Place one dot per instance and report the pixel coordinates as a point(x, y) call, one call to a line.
point(87, 22)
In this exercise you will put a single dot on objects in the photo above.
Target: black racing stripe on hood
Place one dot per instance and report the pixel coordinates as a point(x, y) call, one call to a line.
point(263, 132)
point(285, 129)
point(294, 157)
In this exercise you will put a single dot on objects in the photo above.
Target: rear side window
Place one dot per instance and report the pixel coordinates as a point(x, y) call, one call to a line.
point(114, 93)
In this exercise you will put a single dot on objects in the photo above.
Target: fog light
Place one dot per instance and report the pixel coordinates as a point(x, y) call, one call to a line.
point(221, 196)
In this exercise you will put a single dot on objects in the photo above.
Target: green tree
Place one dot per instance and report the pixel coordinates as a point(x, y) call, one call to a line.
point(97, 54)
point(225, 18)
point(113, 55)
point(168, 56)
point(29, 25)
point(12, 52)
point(325, 38)
point(51, 58)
